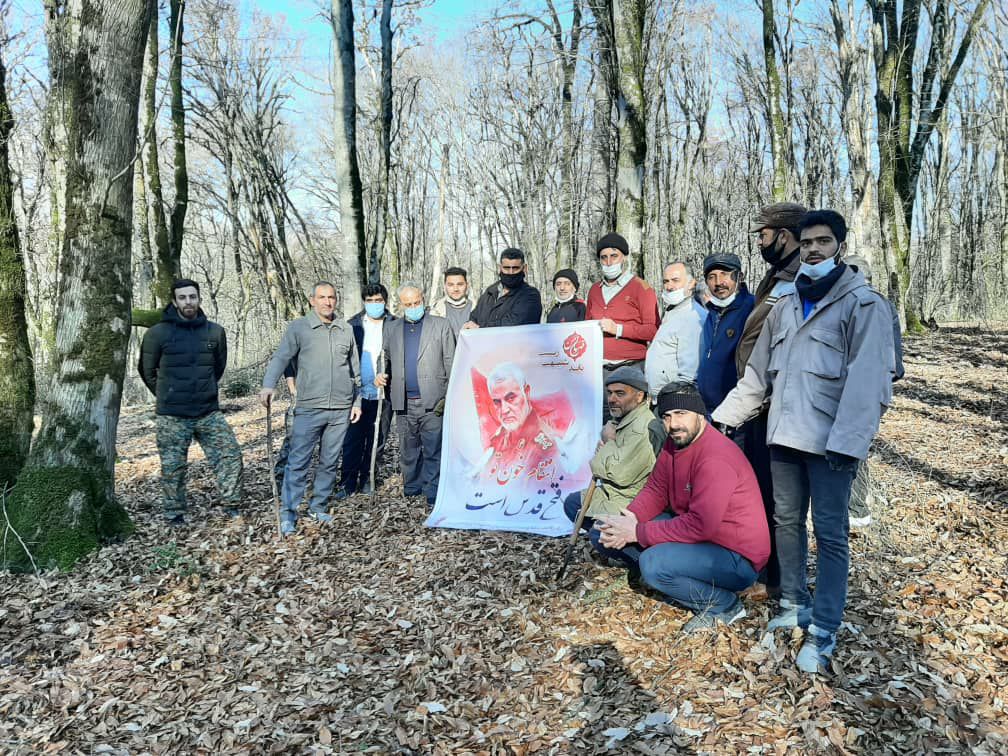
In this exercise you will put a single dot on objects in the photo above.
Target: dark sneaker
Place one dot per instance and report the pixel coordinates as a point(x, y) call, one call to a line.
point(175, 521)
point(341, 494)
point(366, 489)
point(791, 615)
point(430, 501)
point(710, 620)
point(816, 652)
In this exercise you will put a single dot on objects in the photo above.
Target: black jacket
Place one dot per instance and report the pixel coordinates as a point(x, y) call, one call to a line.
point(181, 362)
point(521, 306)
point(567, 312)
point(357, 324)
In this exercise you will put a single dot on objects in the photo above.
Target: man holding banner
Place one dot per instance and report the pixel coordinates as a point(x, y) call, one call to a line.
point(696, 532)
point(630, 444)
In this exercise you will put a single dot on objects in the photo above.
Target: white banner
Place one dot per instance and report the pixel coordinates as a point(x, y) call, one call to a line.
point(522, 418)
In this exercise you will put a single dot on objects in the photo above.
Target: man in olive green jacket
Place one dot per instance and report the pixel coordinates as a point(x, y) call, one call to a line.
point(627, 452)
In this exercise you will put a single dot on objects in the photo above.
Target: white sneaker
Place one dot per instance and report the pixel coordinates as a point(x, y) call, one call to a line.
point(861, 522)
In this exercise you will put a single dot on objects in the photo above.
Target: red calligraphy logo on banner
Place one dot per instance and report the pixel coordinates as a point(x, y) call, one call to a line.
point(575, 345)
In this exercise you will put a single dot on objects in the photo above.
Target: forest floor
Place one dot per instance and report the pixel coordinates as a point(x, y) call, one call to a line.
point(378, 635)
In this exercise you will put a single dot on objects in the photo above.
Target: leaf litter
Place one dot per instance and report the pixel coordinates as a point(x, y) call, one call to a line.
point(377, 635)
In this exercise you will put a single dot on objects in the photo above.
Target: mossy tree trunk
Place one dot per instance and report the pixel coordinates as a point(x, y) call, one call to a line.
point(908, 108)
point(63, 504)
point(777, 128)
point(17, 375)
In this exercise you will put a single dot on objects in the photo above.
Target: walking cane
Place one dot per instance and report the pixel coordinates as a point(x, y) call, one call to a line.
point(272, 463)
point(377, 426)
point(585, 503)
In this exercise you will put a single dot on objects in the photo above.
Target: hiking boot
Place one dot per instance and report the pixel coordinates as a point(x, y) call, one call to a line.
point(323, 517)
point(709, 620)
point(816, 652)
point(791, 615)
point(175, 521)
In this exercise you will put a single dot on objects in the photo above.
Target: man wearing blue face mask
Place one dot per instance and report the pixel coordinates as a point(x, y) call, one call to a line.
point(419, 350)
point(825, 358)
point(727, 310)
point(369, 327)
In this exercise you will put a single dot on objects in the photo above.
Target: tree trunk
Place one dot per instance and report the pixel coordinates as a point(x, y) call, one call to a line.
point(63, 504)
point(775, 118)
point(384, 144)
point(180, 173)
point(631, 114)
point(353, 262)
point(168, 266)
point(600, 197)
point(439, 258)
point(17, 373)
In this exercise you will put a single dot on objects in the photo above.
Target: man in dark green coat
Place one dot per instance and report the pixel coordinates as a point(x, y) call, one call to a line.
point(181, 360)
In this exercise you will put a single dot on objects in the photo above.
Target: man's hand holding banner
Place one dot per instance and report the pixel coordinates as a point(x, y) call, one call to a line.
point(522, 419)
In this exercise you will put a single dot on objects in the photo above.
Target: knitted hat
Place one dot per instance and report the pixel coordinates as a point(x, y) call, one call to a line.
point(612, 241)
point(569, 274)
point(778, 215)
point(631, 376)
point(721, 261)
point(680, 396)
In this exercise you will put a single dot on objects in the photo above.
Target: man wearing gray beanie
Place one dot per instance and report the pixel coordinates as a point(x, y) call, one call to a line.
point(630, 443)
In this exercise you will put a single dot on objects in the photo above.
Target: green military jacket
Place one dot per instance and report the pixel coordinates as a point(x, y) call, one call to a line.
point(622, 466)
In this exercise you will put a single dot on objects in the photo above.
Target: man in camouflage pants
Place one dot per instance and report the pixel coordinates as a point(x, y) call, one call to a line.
point(181, 360)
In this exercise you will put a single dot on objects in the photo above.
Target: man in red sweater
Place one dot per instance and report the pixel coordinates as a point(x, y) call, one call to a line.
point(697, 531)
point(625, 307)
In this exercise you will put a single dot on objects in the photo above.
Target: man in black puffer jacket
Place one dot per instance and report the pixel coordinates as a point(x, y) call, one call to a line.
point(181, 360)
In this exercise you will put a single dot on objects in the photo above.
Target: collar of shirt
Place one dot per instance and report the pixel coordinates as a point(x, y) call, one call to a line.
point(620, 282)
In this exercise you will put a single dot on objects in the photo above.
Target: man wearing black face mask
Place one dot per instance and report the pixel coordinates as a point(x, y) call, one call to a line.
point(510, 302)
point(778, 244)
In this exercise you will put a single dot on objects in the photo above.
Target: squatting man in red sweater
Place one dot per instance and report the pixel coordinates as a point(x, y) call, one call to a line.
point(697, 532)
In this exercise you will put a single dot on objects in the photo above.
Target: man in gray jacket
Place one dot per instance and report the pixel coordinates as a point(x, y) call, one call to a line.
point(328, 400)
point(825, 358)
point(419, 349)
point(673, 355)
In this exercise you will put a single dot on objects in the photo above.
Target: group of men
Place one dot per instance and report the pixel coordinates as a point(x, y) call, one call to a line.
point(727, 413)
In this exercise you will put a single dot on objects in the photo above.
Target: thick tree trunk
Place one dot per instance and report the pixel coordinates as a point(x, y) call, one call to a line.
point(439, 257)
point(602, 217)
point(631, 114)
point(63, 504)
point(17, 374)
point(353, 261)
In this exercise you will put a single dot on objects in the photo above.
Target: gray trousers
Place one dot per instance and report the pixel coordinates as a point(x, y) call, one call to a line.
point(419, 449)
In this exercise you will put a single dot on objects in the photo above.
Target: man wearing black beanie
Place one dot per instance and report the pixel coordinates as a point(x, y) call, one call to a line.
point(625, 307)
point(696, 532)
point(569, 306)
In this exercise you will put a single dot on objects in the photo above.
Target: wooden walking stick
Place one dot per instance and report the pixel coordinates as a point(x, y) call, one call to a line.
point(377, 426)
point(585, 503)
point(272, 463)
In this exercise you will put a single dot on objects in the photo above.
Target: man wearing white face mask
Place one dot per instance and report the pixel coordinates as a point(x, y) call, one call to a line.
point(625, 307)
point(727, 310)
point(825, 358)
point(674, 354)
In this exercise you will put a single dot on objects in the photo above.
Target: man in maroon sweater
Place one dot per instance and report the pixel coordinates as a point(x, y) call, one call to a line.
point(697, 531)
point(625, 307)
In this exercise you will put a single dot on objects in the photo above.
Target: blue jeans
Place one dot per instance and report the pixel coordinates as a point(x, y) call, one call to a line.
point(699, 576)
point(799, 477)
point(310, 427)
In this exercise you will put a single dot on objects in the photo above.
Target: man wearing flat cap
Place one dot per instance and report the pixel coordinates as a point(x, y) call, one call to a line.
point(569, 307)
point(696, 532)
point(630, 443)
point(625, 307)
point(776, 229)
point(729, 306)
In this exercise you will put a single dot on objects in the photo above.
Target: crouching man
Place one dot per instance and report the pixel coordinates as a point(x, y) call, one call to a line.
point(630, 443)
point(696, 532)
